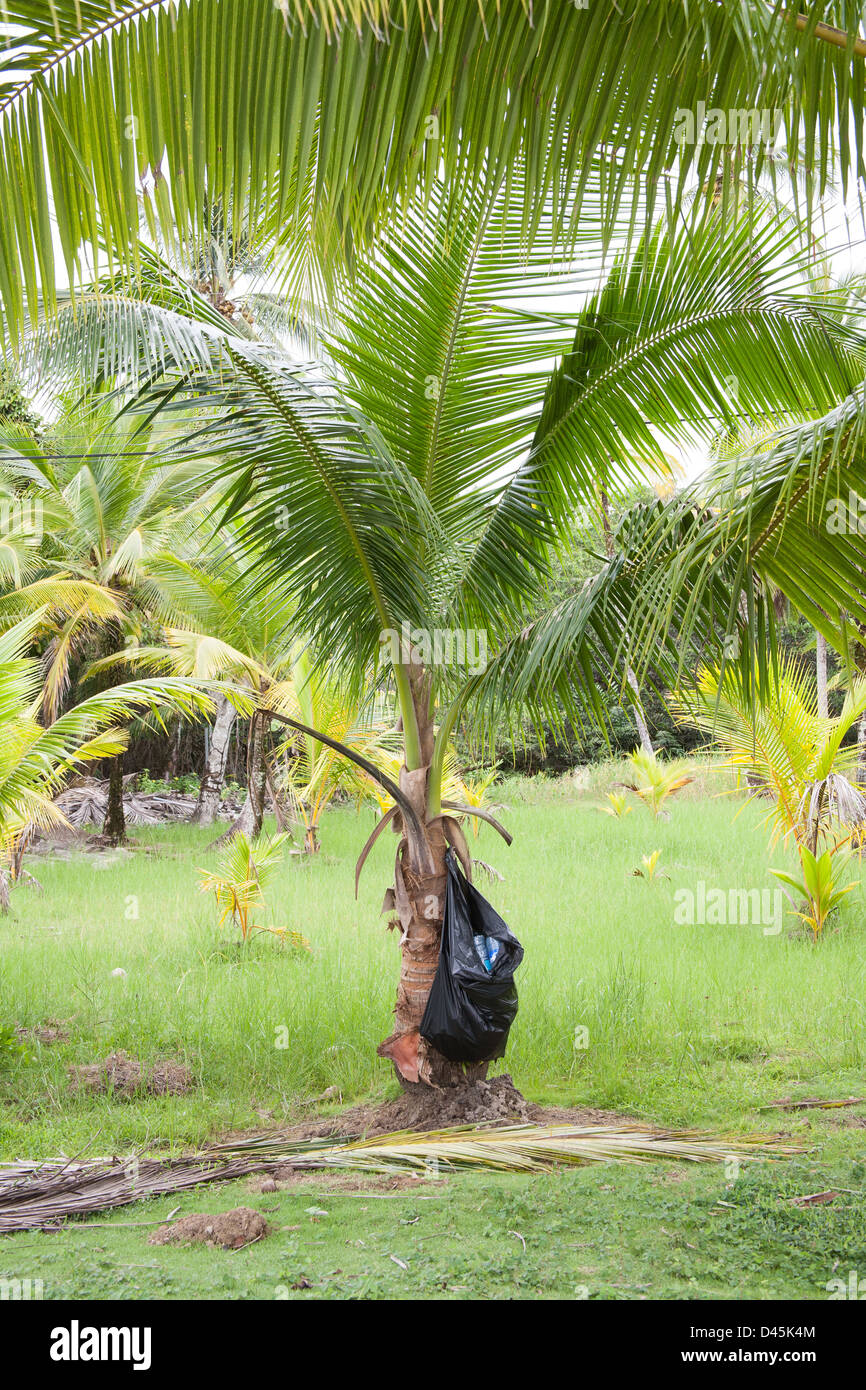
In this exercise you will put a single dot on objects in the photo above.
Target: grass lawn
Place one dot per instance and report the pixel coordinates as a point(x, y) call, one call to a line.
point(687, 1025)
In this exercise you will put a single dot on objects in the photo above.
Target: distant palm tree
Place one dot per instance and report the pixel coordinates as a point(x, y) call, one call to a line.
point(225, 630)
point(106, 513)
point(36, 758)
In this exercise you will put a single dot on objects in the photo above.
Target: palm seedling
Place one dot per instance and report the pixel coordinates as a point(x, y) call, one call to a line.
point(650, 870)
point(821, 883)
point(652, 784)
point(239, 881)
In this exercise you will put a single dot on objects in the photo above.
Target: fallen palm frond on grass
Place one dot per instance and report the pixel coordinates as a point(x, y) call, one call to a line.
point(34, 1195)
point(523, 1148)
point(42, 1196)
point(86, 804)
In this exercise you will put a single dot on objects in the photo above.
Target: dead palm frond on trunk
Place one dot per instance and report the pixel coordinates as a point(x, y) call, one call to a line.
point(34, 1195)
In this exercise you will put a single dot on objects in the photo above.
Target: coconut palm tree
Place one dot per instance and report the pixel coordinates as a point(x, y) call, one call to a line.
point(436, 458)
point(36, 758)
point(106, 513)
point(222, 627)
point(795, 752)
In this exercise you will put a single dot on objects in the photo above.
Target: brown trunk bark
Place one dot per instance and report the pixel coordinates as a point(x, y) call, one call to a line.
point(419, 897)
point(114, 826)
point(208, 802)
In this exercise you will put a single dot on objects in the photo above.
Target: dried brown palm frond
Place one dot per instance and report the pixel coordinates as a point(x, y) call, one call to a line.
point(34, 1195)
point(42, 1195)
point(513, 1148)
point(86, 803)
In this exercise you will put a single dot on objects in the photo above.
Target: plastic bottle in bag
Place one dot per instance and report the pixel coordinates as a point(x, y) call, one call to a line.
point(481, 948)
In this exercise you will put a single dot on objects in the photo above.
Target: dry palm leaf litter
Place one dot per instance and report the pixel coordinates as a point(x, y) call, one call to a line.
point(44, 1195)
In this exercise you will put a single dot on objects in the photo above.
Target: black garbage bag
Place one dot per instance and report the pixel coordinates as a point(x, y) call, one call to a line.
point(471, 1005)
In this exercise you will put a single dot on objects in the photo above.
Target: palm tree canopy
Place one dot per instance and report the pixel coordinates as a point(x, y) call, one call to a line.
point(107, 511)
point(105, 104)
point(422, 471)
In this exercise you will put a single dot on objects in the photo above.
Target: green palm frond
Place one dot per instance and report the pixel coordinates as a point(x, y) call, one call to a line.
point(678, 318)
point(201, 656)
point(778, 739)
point(697, 575)
point(777, 519)
point(94, 92)
point(723, 300)
point(136, 332)
point(288, 444)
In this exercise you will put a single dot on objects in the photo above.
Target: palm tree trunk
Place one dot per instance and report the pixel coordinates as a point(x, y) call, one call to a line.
point(208, 803)
point(637, 708)
point(419, 897)
point(637, 711)
point(114, 825)
point(249, 822)
point(821, 674)
point(173, 762)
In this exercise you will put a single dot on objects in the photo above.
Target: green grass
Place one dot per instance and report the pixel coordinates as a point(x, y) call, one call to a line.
point(687, 1025)
point(613, 1233)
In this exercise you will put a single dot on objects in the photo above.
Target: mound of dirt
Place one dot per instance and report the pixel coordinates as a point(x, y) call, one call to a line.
point(496, 1101)
point(51, 1031)
point(121, 1075)
point(231, 1230)
point(421, 1107)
